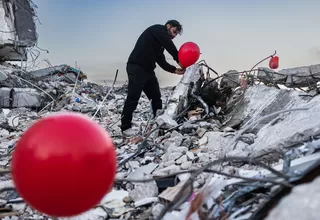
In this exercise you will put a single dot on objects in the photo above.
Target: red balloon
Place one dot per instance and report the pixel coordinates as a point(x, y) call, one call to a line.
point(274, 62)
point(64, 164)
point(188, 54)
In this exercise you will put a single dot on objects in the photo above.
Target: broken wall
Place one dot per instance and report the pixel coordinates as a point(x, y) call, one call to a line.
point(18, 29)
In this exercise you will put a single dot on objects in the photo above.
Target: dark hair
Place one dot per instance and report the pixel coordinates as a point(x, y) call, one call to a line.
point(175, 23)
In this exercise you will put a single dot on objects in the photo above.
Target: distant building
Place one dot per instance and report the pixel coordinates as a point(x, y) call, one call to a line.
point(17, 29)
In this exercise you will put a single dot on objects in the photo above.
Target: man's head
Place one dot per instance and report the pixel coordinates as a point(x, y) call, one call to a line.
point(174, 28)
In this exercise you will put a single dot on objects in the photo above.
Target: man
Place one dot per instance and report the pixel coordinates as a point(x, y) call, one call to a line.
point(142, 61)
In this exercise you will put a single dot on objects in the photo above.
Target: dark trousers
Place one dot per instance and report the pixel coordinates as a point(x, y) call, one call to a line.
point(139, 80)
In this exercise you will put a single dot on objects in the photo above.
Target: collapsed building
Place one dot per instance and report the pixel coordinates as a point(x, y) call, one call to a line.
point(18, 29)
point(241, 145)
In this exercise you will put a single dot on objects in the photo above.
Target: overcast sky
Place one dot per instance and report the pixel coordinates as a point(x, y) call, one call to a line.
point(232, 34)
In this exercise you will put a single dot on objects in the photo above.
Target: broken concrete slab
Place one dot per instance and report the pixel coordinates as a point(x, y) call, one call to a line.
point(178, 101)
point(19, 97)
point(157, 209)
point(289, 128)
point(260, 100)
point(295, 77)
point(143, 171)
point(59, 73)
point(166, 121)
point(304, 202)
point(215, 143)
point(3, 76)
point(144, 190)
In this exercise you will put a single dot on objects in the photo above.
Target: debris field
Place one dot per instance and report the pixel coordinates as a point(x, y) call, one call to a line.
point(221, 148)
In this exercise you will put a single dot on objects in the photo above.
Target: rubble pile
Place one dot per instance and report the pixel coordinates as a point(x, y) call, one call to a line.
point(217, 150)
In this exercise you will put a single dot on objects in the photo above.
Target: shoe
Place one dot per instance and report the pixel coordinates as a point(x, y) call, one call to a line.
point(131, 132)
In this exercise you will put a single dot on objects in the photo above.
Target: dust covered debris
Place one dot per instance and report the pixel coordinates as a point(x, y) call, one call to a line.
point(200, 158)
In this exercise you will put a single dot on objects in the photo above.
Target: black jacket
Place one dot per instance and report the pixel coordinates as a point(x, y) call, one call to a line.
point(149, 49)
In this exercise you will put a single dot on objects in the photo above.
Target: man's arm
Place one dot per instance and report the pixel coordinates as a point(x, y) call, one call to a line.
point(163, 37)
point(161, 60)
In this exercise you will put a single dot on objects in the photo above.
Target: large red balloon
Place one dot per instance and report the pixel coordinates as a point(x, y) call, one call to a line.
point(188, 54)
point(64, 164)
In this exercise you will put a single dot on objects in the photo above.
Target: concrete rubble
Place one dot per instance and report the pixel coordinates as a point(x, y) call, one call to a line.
point(221, 147)
point(184, 139)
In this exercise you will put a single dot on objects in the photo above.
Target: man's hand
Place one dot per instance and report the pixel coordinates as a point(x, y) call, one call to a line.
point(179, 71)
